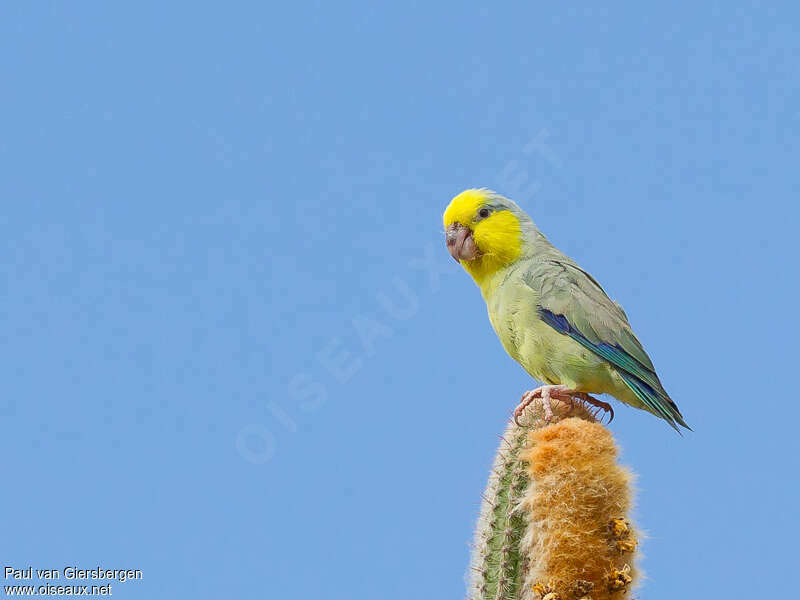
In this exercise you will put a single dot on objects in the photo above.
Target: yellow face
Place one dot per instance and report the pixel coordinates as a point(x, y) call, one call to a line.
point(482, 234)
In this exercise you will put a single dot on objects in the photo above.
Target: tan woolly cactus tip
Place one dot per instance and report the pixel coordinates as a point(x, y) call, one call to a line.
point(577, 502)
point(554, 523)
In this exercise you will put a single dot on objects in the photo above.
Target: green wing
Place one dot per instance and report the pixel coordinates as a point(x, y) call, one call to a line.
point(574, 304)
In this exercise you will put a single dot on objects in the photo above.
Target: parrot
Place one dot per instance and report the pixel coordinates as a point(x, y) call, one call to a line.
point(551, 316)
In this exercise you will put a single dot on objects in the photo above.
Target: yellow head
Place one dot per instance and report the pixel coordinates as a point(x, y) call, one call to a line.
point(484, 232)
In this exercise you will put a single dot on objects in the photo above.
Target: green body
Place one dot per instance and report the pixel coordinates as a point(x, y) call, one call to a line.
point(586, 343)
point(548, 355)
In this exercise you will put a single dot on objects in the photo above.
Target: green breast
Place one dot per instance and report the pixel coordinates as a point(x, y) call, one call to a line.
point(546, 354)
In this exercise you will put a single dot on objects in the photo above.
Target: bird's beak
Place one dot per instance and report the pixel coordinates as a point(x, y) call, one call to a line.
point(460, 243)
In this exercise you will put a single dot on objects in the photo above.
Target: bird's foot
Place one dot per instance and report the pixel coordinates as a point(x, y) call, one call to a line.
point(546, 406)
point(544, 393)
point(599, 404)
point(526, 399)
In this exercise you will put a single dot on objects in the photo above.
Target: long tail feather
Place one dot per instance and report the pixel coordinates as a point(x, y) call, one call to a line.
point(659, 403)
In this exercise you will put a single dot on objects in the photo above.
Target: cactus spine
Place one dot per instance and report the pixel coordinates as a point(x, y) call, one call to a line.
point(554, 519)
point(496, 562)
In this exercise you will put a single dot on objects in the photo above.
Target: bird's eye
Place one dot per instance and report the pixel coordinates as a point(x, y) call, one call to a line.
point(483, 213)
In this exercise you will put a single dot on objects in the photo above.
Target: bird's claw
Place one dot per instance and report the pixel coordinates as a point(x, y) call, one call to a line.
point(599, 405)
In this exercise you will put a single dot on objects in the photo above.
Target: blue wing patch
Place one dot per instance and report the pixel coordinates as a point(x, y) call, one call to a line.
point(641, 380)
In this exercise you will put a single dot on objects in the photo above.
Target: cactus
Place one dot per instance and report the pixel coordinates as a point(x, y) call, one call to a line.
point(554, 521)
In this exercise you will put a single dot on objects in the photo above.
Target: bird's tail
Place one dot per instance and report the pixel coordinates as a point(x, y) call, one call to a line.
point(656, 400)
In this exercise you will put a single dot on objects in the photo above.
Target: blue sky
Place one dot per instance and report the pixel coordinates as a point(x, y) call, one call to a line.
point(236, 353)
